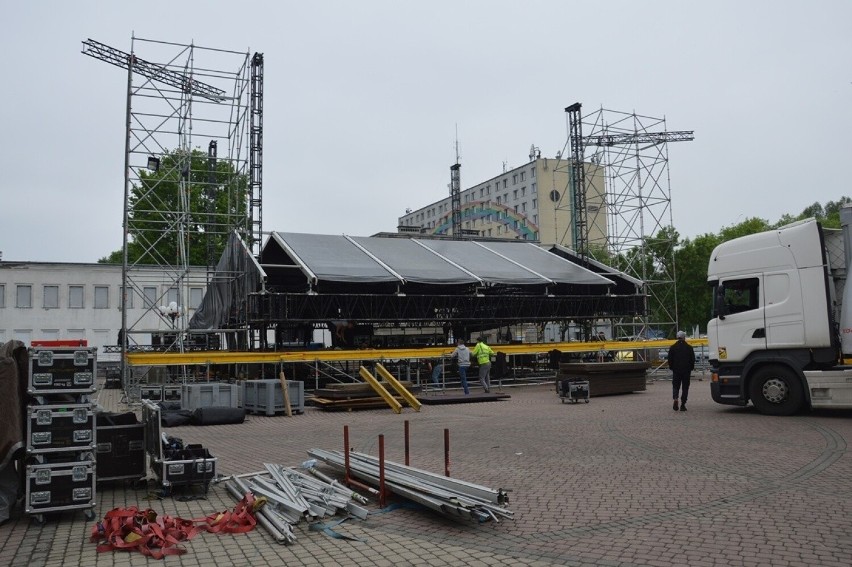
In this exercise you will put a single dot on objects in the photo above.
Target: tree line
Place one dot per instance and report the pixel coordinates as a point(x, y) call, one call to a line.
point(692, 256)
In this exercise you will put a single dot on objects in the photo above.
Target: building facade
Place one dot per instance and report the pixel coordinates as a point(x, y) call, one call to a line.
point(49, 301)
point(531, 202)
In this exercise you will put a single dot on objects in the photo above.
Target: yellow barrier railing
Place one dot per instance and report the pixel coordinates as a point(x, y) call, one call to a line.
point(379, 354)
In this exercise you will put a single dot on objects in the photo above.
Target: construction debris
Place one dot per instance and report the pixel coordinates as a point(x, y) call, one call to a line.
point(454, 498)
point(292, 496)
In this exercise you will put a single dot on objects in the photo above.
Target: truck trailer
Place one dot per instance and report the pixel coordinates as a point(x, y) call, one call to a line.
point(780, 328)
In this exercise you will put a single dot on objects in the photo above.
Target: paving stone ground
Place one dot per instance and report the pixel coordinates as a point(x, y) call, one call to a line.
point(620, 481)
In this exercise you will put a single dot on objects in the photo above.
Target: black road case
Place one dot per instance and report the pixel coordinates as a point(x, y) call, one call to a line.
point(62, 370)
point(573, 390)
point(121, 447)
point(57, 428)
point(57, 487)
point(173, 463)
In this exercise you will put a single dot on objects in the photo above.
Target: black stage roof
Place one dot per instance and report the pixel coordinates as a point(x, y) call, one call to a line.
point(302, 278)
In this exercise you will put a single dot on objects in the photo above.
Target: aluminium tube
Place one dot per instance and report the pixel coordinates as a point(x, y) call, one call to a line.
point(267, 525)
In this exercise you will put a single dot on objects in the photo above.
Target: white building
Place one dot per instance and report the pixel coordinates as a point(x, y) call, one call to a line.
point(49, 301)
point(531, 202)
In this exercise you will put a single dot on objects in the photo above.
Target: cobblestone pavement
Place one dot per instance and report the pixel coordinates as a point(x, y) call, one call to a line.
point(620, 481)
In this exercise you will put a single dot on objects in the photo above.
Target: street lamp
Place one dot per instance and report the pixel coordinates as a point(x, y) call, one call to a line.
point(171, 311)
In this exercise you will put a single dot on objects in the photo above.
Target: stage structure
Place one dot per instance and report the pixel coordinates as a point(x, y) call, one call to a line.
point(369, 292)
point(193, 177)
point(633, 151)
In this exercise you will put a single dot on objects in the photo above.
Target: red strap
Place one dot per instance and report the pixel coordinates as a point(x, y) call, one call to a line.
point(129, 529)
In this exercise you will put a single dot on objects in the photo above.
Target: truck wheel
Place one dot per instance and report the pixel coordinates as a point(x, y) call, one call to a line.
point(776, 390)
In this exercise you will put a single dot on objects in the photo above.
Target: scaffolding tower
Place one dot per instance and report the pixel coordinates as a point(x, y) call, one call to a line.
point(636, 205)
point(193, 159)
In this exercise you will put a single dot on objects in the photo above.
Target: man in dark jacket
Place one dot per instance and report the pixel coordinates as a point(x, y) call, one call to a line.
point(681, 362)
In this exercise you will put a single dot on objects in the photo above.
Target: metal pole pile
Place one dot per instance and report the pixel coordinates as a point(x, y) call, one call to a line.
point(451, 497)
point(292, 496)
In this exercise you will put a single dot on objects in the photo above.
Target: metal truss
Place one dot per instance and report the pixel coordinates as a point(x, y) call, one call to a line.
point(632, 151)
point(274, 308)
point(188, 140)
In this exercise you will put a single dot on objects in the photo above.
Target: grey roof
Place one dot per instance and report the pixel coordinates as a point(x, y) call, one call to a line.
point(437, 262)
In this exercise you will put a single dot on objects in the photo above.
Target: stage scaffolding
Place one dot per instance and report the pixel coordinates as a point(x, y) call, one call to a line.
point(632, 199)
point(193, 155)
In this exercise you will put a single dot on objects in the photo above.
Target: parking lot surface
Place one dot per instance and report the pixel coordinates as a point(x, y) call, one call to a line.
point(620, 481)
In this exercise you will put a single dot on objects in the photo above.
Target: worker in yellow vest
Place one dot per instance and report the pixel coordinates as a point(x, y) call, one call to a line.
point(483, 354)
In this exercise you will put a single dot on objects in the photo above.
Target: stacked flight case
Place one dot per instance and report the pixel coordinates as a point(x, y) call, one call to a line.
point(61, 433)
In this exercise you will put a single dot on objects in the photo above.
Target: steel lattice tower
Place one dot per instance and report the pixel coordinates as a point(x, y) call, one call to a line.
point(194, 123)
point(634, 204)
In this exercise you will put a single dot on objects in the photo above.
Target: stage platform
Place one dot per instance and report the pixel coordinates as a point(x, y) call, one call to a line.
point(438, 397)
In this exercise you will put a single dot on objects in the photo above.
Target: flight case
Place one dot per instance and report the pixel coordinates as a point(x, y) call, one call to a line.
point(62, 370)
point(173, 463)
point(120, 448)
point(56, 487)
point(59, 428)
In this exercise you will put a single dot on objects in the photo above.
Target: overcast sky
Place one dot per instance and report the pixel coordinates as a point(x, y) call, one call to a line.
point(362, 101)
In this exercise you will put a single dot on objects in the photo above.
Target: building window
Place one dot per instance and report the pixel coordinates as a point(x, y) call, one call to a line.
point(535, 204)
point(515, 194)
point(498, 199)
point(523, 175)
point(51, 297)
point(481, 193)
point(516, 208)
point(532, 172)
point(534, 189)
point(101, 297)
point(523, 191)
point(535, 219)
point(505, 183)
point(515, 179)
point(488, 189)
point(150, 294)
point(2, 296)
point(24, 296)
point(49, 334)
point(523, 207)
point(172, 295)
point(75, 297)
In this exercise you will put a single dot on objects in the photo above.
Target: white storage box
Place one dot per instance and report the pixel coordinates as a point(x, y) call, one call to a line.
point(213, 395)
point(267, 397)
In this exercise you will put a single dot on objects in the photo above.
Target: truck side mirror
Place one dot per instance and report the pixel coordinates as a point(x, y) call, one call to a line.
point(719, 301)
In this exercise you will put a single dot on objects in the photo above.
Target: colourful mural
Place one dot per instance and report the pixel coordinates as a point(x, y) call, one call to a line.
point(508, 218)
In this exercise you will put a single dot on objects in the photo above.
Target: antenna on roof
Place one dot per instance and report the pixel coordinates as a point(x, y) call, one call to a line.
point(457, 144)
point(455, 192)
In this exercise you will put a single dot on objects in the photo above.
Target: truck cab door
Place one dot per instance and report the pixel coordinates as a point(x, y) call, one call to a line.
point(739, 326)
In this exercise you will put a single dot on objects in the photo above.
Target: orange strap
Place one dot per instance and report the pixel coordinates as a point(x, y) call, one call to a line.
point(131, 529)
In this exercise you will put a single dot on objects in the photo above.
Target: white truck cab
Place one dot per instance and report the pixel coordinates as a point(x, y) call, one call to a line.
point(774, 338)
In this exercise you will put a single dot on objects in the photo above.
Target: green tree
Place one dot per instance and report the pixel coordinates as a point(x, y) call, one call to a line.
point(694, 295)
point(216, 202)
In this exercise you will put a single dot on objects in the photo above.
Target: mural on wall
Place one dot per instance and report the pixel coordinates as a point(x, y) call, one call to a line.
point(515, 222)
